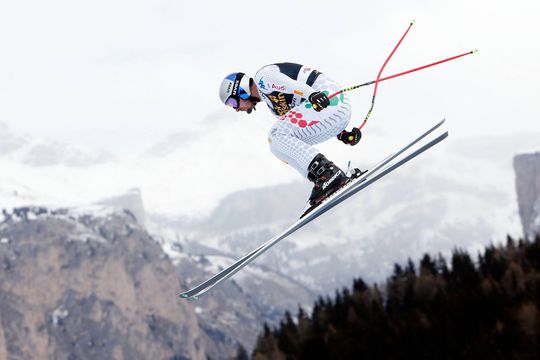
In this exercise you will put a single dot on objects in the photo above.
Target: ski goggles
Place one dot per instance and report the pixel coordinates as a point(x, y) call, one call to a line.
point(234, 100)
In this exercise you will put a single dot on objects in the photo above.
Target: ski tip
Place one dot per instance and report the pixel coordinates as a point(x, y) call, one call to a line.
point(413, 21)
point(187, 297)
point(474, 51)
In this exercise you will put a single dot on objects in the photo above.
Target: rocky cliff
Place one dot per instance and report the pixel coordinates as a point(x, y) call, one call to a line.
point(93, 284)
point(527, 168)
point(79, 286)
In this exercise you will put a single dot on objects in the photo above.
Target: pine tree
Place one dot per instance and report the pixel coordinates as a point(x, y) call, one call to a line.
point(241, 354)
point(491, 310)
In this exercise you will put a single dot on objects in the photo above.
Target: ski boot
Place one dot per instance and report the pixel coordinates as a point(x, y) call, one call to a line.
point(327, 177)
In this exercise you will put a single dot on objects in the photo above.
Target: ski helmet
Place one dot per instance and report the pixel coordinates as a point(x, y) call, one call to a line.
point(234, 87)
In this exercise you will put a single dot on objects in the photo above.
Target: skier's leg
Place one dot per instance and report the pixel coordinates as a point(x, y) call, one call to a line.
point(307, 160)
point(288, 148)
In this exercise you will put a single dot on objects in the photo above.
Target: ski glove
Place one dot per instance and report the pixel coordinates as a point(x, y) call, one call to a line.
point(319, 100)
point(350, 137)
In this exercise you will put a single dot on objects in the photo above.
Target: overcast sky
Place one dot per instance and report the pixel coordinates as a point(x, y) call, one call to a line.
point(122, 75)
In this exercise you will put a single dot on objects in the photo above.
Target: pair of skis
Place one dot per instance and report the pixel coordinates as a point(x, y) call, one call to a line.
point(383, 168)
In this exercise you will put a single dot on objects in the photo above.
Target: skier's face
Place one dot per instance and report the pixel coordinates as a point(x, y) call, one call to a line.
point(246, 105)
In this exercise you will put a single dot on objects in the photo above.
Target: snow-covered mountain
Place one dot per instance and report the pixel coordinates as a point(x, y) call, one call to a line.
point(460, 195)
point(44, 172)
point(221, 201)
point(35, 191)
point(41, 152)
point(180, 176)
point(89, 284)
point(109, 285)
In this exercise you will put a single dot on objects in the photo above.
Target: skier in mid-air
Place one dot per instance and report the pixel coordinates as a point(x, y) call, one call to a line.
point(298, 97)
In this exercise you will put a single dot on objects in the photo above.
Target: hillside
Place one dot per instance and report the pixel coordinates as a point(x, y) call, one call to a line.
point(74, 285)
point(91, 283)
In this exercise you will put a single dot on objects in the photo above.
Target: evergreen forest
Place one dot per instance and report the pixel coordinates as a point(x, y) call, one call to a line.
point(483, 308)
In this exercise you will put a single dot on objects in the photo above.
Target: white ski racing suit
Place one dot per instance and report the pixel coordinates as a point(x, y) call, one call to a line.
point(285, 87)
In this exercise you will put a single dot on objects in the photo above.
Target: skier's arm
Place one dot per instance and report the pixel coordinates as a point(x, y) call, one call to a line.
point(270, 80)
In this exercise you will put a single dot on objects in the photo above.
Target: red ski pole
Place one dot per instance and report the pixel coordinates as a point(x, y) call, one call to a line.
point(400, 74)
point(379, 75)
point(379, 79)
point(380, 72)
